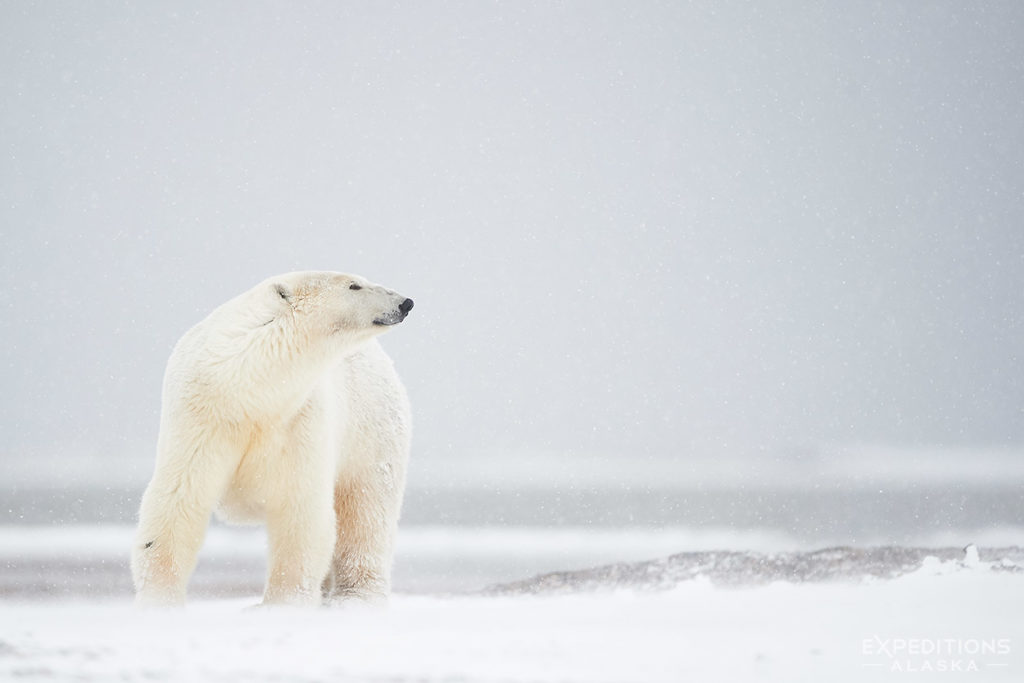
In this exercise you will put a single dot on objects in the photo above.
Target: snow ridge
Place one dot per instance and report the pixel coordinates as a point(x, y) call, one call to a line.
point(731, 568)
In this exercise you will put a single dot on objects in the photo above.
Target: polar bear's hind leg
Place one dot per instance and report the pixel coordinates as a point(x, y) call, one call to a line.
point(367, 509)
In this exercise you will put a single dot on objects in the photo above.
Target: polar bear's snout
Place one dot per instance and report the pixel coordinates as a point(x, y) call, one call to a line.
point(396, 316)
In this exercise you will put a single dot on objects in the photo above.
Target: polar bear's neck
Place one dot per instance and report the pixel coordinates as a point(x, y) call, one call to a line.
point(267, 370)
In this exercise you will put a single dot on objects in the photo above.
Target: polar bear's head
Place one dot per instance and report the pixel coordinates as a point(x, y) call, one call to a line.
point(346, 308)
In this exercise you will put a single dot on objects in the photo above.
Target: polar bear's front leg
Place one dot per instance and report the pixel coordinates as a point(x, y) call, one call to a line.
point(173, 517)
point(300, 512)
point(301, 539)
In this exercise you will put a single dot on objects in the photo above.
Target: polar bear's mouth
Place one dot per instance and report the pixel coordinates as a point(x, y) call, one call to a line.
point(391, 319)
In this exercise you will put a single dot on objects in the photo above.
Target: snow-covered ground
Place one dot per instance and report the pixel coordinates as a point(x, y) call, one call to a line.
point(65, 613)
point(949, 620)
point(756, 613)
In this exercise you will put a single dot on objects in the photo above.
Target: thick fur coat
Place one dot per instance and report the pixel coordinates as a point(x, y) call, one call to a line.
point(281, 408)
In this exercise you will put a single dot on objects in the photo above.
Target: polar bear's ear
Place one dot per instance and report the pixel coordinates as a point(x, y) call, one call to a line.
point(283, 292)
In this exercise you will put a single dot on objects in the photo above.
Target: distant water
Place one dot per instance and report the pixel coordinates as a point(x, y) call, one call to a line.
point(53, 543)
point(828, 515)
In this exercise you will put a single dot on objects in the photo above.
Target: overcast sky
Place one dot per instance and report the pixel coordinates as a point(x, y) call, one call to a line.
point(657, 229)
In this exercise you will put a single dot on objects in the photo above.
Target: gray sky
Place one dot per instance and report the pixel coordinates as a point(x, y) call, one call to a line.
point(630, 229)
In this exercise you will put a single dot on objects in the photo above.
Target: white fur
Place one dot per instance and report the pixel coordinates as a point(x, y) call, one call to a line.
point(280, 407)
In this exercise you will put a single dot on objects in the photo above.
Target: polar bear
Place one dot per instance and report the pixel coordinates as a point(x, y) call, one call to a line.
point(281, 407)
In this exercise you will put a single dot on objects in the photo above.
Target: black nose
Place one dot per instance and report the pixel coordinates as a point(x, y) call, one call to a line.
point(405, 306)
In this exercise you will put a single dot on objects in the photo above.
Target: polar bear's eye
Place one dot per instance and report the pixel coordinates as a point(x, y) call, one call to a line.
point(354, 286)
